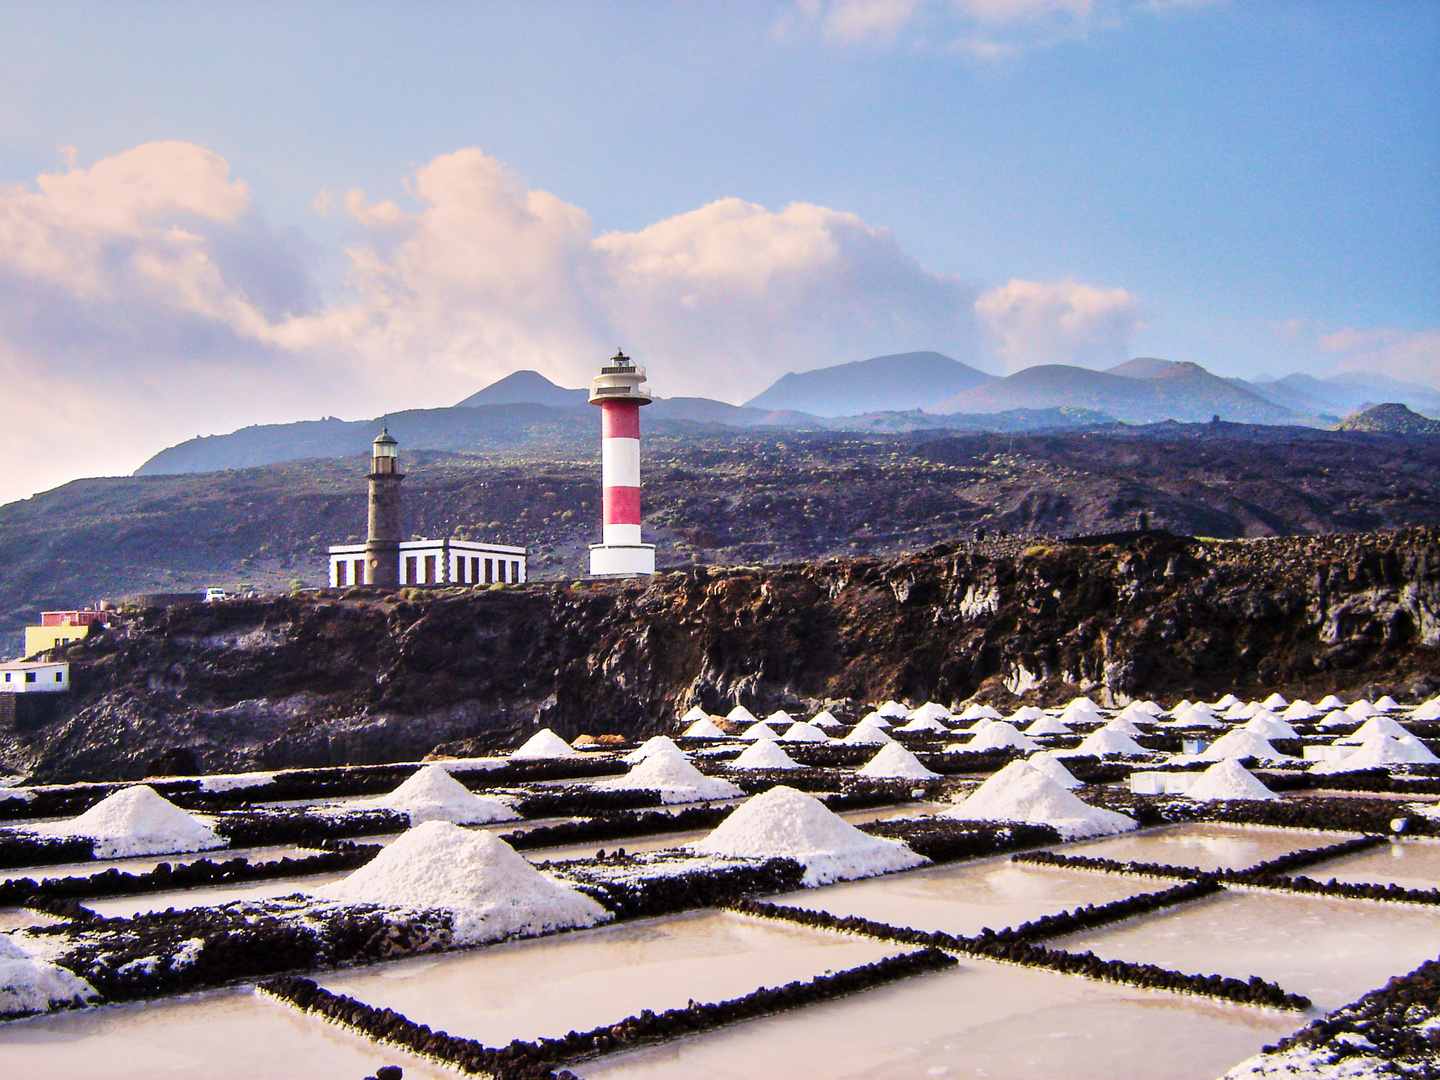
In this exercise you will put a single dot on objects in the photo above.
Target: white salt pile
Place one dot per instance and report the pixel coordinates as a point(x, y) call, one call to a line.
point(1430, 710)
point(1050, 765)
point(1082, 711)
point(981, 724)
point(757, 731)
point(1135, 714)
point(693, 714)
point(894, 762)
point(825, 718)
point(652, 745)
point(544, 744)
point(1102, 743)
point(432, 794)
point(1021, 792)
point(804, 733)
point(894, 709)
point(741, 715)
point(867, 734)
point(136, 821)
point(1387, 704)
point(1329, 701)
point(998, 736)
point(670, 773)
point(1047, 725)
point(1299, 710)
point(1269, 726)
point(1337, 718)
point(1194, 716)
point(923, 723)
point(32, 985)
point(489, 890)
point(1228, 779)
point(1380, 752)
point(980, 712)
point(1225, 702)
point(1372, 728)
point(1239, 744)
point(1249, 709)
point(1025, 714)
point(1274, 701)
point(704, 728)
point(1120, 724)
point(765, 754)
point(779, 718)
point(790, 824)
point(931, 710)
point(1361, 710)
point(878, 719)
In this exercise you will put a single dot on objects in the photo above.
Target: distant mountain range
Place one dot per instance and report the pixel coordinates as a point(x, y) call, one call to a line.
point(898, 393)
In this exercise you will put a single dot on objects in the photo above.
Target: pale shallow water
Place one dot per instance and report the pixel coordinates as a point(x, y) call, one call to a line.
point(965, 898)
point(1414, 864)
point(17, 918)
point(980, 1020)
point(549, 986)
point(129, 906)
point(146, 863)
point(1204, 845)
point(1332, 951)
point(224, 1035)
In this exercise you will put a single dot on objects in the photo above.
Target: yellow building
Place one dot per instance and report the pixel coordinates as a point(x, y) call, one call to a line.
point(61, 628)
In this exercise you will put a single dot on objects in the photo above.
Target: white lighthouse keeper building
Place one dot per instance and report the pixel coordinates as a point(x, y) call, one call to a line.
point(619, 391)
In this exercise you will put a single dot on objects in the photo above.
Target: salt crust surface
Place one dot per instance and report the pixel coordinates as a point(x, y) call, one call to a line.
point(788, 823)
point(432, 794)
point(1378, 752)
point(230, 781)
point(759, 730)
point(1305, 1061)
point(1052, 767)
point(693, 714)
point(867, 734)
point(893, 708)
point(705, 728)
point(670, 773)
point(1047, 725)
point(998, 736)
point(923, 723)
point(931, 710)
point(136, 820)
point(804, 733)
point(29, 984)
point(1107, 743)
point(489, 890)
point(544, 744)
point(1122, 725)
point(652, 745)
point(876, 719)
point(780, 718)
point(979, 712)
point(764, 755)
point(1228, 779)
point(1375, 726)
point(894, 762)
point(1241, 744)
point(1021, 792)
point(825, 718)
point(1269, 726)
point(741, 715)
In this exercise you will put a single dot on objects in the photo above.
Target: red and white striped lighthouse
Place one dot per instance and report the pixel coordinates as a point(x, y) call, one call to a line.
point(619, 392)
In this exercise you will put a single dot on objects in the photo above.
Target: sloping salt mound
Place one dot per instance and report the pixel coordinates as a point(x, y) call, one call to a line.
point(922, 723)
point(693, 714)
point(1275, 701)
point(979, 712)
point(1269, 726)
point(1361, 710)
point(652, 745)
point(1225, 702)
point(804, 733)
point(1239, 744)
point(1337, 718)
point(1050, 765)
point(1133, 713)
point(1228, 779)
point(1021, 792)
point(432, 794)
point(136, 820)
point(981, 724)
point(1194, 716)
point(893, 708)
point(1249, 709)
point(867, 734)
point(31, 985)
point(1299, 710)
point(1120, 724)
point(1430, 710)
point(1329, 701)
point(931, 710)
point(1025, 714)
point(489, 890)
point(758, 730)
point(1373, 728)
point(1047, 725)
point(1148, 706)
point(779, 718)
point(998, 736)
point(894, 762)
point(704, 728)
point(1378, 753)
point(670, 773)
point(741, 715)
point(825, 718)
point(790, 824)
point(765, 754)
point(544, 744)
point(1102, 743)
point(1387, 704)
point(1082, 713)
point(878, 719)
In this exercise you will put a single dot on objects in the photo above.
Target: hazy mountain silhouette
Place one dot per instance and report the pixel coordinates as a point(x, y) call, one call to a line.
point(915, 380)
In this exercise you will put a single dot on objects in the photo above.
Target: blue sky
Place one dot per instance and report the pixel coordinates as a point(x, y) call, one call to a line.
point(1255, 187)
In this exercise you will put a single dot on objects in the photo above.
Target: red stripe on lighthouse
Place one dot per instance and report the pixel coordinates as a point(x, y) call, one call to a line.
point(620, 420)
point(622, 505)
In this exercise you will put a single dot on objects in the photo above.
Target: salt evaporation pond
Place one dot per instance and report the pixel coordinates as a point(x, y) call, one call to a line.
point(144, 864)
point(1413, 864)
point(230, 1034)
point(964, 899)
point(1204, 845)
point(127, 907)
point(1330, 950)
point(980, 1019)
point(585, 979)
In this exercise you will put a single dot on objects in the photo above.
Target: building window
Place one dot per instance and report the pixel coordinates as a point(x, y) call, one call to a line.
point(515, 572)
point(429, 570)
point(29, 676)
point(59, 677)
point(489, 571)
point(359, 571)
point(7, 676)
point(341, 572)
point(475, 570)
point(410, 569)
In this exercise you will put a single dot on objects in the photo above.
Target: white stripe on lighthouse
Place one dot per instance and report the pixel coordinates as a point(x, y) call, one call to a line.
point(620, 462)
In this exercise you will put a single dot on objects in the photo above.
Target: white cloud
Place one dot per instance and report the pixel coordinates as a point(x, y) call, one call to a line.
point(1064, 322)
point(1409, 355)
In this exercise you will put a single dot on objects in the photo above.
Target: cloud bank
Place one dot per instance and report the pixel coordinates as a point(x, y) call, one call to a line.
point(1064, 322)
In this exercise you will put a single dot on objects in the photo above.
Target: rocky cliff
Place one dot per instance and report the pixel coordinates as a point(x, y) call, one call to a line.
point(366, 677)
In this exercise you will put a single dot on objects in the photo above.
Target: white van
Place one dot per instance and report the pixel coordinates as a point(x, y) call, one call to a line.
point(212, 595)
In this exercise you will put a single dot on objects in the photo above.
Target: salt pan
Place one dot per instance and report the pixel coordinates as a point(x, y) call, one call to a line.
point(671, 774)
point(894, 762)
point(136, 821)
point(1021, 792)
point(1025, 714)
point(1228, 779)
point(765, 754)
point(783, 822)
point(489, 890)
point(432, 794)
point(1387, 704)
point(1120, 724)
point(544, 744)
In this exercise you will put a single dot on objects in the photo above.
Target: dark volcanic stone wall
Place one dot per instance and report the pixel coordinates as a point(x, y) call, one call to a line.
point(368, 678)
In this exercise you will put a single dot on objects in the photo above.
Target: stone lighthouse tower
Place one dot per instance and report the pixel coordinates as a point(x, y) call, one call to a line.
point(382, 544)
point(619, 392)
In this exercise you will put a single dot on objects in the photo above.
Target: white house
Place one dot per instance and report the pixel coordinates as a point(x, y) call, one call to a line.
point(435, 562)
point(22, 677)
